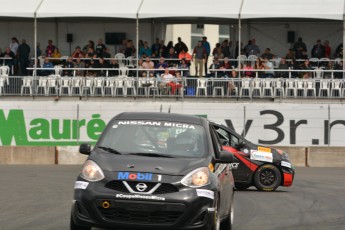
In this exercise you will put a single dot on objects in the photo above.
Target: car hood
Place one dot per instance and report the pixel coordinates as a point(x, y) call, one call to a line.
point(133, 163)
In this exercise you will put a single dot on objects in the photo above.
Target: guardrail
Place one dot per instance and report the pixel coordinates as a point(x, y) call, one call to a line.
point(123, 86)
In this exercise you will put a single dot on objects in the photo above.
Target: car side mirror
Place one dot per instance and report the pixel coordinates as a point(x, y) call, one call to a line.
point(85, 148)
point(225, 157)
point(240, 145)
point(224, 142)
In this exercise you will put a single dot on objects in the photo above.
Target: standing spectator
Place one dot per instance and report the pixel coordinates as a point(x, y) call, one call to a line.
point(339, 51)
point(199, 55)
point(50, 48)
point(328, 50)
point(100, 47)
point(253, 49)
point(226, 46)
point(23, 55)
point(180, 45)
point(247, 48)
point(185, 55)
point(155, 48)
point(299, 47)
point(318, 50)
point(145, 50)
point(162, 49)
point(14, 44)
point(207, 46)
point(129, 49)
point(215, 49)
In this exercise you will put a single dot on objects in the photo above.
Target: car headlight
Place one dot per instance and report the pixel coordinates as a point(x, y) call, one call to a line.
point(197, 178)
point(91, 171)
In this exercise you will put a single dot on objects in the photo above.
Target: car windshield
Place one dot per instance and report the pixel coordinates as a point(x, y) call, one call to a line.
point(142, 138)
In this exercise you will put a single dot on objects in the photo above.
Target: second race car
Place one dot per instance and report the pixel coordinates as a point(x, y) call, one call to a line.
point(263, 167)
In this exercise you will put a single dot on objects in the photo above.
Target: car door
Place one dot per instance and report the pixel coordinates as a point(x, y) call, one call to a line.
point(230, 142)
point(225, 177)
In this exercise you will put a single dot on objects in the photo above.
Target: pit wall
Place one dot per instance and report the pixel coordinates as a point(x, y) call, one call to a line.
point(62, 155)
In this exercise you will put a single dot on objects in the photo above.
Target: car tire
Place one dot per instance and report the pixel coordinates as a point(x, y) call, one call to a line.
point(240, 186)
point(74, 226)
point(267, 178)
point(229, 220)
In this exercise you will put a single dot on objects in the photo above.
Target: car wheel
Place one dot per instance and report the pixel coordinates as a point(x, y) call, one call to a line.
point(229, 220)
point(239, 186)
point(267, 178)
point(74, 226)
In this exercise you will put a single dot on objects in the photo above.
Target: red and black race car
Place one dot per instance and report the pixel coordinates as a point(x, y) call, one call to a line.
point(263, 167)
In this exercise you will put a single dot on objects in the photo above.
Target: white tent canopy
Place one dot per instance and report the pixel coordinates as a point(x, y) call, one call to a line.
point(19, 8)
point(314, 9)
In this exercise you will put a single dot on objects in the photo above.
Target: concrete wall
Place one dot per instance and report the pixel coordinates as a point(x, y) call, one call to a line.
point(299, 156)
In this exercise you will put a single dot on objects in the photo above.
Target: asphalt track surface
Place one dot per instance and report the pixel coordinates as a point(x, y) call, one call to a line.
point(39, 197)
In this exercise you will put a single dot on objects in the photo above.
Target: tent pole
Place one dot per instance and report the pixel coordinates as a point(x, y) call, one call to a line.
point(35, 40)
point(137, 37)
point(239, 39)
point(344, 44)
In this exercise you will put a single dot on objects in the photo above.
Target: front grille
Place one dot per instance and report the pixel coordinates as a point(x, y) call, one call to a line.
point(140, 217)
point(120, 187)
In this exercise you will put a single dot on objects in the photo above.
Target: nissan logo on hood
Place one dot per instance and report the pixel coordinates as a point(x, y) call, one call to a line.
point(141, 187)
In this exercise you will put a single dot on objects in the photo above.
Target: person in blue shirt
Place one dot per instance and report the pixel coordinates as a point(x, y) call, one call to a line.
point(145, 50)
point(207, 46)
point(48, 68)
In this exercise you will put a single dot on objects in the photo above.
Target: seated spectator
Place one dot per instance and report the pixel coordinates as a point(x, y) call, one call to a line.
point(113, 64)
point(219, 53)
point(247, 70)
point(165, 81)
point(268, 66)
point(77, 53)
point(161, 65)
point(318, 50)
point(172, 55)
point(185, 55)
point(145, 50)
point(148, 64)
point(225, 65)
point(283, 65)
point(90, 44)
point(308, 69)
point(339, 51)
point(184, 65)
point(338, 66)
point(10, 57)
point(215, 65)
point(90, 54)
point(177, 84)
point(267, 54)
point(56, 55)
point(106, 54)
point(328, 68)
point(259, 66)
point(48, 68)
point(162, 49)
point(130, 50)
point(69, 64)
point(79, 64)
point(100, 47)
point(102, 65)
point(155, 48)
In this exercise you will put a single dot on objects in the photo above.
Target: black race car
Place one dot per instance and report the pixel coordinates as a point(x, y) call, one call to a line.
point(155, 171)
point(264, 167)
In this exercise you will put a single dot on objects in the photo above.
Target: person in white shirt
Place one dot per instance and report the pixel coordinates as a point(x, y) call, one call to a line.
point(165, 80)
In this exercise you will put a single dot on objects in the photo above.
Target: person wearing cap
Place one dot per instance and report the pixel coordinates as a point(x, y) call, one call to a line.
point(77, 53)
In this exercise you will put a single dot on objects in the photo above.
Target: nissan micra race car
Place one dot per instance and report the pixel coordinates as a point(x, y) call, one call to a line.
point(264, 167)
point(155, 171)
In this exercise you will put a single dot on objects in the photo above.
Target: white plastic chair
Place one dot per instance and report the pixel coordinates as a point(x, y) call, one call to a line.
point(257, 87)
point(300, 87)
point(65, 83)
point(232, 91)
point(130, 85)
point(290, 89)
point(27, 84)
point(98, 83)
point(310, 87)
point(109, 83)
point(324, 88)
point(119, 85)
point(318, 73)
point(5, 72)
point(278, 88)
point(2, 85)
point(246, 87)
point(201, 86)
point(121, 59)
point(52, 84)
point(217, 88)
point(42, 84)
point(123, 71)
point(267, 87)
point(87, 86)
point(336, 87)
point(252, 59)
point(76, 84)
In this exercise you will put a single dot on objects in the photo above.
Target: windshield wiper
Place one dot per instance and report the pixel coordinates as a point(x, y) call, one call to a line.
point(110, 150)
point(152, 155)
